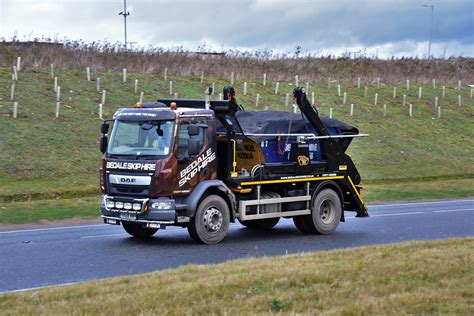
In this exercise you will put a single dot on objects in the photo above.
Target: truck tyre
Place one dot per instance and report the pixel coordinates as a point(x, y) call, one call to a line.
point(266, 223)
point(301, 223)
point(136, 230)
point(211, 222)
point(326, 213)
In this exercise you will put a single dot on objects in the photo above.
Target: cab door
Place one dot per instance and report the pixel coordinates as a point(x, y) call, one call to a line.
point(196, 155)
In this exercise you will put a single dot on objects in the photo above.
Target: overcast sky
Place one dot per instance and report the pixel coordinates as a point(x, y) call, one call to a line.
point(385, 28)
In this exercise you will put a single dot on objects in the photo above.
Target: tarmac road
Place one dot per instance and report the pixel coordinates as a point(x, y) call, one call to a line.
point(41, 257)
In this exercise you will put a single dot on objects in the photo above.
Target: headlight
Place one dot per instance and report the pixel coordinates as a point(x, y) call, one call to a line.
point(118, 205)
point(163, 205)
point(110, 204)
point(137, 206)
point(127, 206)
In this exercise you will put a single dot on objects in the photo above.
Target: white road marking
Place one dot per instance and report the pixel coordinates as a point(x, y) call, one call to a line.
point(397, 214)
point(454, 210)
point(51, 228)
point(41, 287)
point(419, 203)
point(101, 236)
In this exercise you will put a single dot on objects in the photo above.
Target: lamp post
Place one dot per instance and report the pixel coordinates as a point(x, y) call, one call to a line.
point(431, 27)
point(125, 14)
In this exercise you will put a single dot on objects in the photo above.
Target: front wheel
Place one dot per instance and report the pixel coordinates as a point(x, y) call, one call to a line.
point(137, 230)
point(211, 222)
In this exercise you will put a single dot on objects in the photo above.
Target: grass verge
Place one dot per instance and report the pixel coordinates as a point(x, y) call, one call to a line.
point(416, 278)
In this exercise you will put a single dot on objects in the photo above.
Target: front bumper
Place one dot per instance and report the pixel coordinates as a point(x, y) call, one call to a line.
point(148, 214)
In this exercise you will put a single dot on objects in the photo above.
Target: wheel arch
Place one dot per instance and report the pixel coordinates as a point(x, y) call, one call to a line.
point(333, 185)
point(206, 188)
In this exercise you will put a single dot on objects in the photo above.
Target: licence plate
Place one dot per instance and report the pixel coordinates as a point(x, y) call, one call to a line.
point(128, 216)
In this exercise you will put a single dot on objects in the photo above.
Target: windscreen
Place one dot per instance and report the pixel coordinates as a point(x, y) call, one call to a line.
point(142, 138)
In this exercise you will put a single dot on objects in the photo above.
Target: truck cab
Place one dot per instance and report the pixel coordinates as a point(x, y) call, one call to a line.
point(189, 163)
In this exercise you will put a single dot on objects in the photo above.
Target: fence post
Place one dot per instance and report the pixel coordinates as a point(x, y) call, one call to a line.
point(58, 94)
point(55, 84)
point(329, 82)
point(307, 87)
point(141, 97)
point(436, 101)
point(124, 74)
point(439, 111)
point(257, 99)
point(232, 78)
point(135, 87)
point(245, 88)
point(312, 98)
point(420, 90)
point(202, 77)
point(100, 110)
point(12, 92)
point(366, 92)
point(408, 85)
point(264, 80)
point(104, 93)
point(15, 73)
point(15, 109)
point(434, 83)
point(470, 95)
point(443, 93)
point(358, 82)
point(459, 85)
point(18, 63)
point(52, 71)
point(276, 87)
point(330, 112)
point(287, 99)
point(165, 74)
point(394, 92)
point(171, 87)
point(97, 84)
point(404, 99)
point(88, 74)
point(378, 82)
point(213, 88)
point(459, 100)
point(384, 110)
point(352, 110)
point(338, 90)
point(56, 114)
point(376, 98)
point(297, 82)
point(344, 98)
point(410, 110)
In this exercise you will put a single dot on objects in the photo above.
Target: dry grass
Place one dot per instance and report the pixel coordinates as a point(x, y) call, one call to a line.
point(78, 55)
point(416, 278)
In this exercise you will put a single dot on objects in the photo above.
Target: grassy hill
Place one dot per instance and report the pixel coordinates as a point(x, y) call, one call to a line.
point(405, 157)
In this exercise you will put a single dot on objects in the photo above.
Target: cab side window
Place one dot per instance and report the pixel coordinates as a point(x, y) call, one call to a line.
point(184, 139)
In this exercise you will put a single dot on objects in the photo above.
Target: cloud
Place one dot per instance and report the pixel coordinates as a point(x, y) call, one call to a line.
point(391, 27)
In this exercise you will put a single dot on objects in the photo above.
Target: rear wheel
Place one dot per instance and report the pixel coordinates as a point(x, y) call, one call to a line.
point(326, 212)
point(137, 230)
point(266, 223)
point(300, 223)
point(211, 221)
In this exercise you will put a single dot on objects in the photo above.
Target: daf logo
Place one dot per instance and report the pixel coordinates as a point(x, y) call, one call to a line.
point(127, 180)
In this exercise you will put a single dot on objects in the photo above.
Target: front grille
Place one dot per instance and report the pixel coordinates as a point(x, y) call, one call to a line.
point(129, 189)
